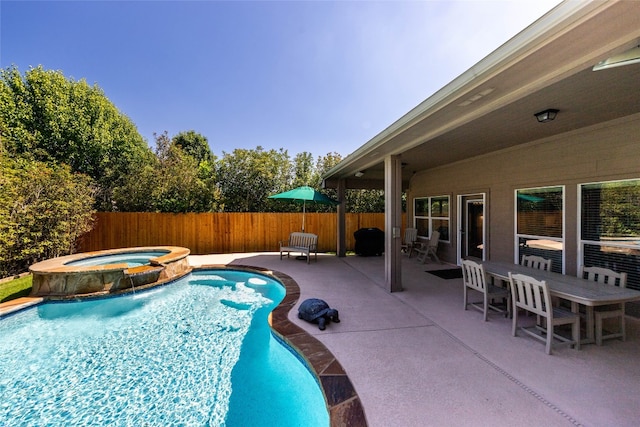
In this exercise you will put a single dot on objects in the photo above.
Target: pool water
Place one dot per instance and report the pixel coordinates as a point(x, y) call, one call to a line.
point(132, 259)
point(197, 352)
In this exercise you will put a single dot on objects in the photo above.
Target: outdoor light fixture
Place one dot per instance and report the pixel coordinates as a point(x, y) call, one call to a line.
point(359, 174)
point(631, 56)
point(546, 115)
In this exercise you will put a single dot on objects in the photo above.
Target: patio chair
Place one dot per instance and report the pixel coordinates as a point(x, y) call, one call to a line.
point(536, 262)
point(539, 263)
point(429, 249)
point(613, 311)
point(474, 277)
point(533, 296)
point(409, 241)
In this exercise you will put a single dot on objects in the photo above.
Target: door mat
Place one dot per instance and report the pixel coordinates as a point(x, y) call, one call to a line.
point(450, 273)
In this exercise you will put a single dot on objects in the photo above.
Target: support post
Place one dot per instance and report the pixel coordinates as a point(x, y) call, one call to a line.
point(341, 238)
point(393, 222)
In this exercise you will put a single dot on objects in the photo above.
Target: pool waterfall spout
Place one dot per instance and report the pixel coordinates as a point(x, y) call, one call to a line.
point(144, 275)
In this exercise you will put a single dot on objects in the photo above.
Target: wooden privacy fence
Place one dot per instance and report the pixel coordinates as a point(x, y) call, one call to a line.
point(210, 233)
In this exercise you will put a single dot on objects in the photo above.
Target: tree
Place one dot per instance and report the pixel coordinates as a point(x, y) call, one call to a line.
point(356, 200)
point(43, 210)
point(182, 186)
point(52, 119)
point(136, 193)
point(324, 164)
point(304, 171)
point(247, 177)
point(363, 201)
point(173, 182)
point(194, 145)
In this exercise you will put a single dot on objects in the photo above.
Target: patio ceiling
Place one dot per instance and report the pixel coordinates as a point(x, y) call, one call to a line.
point(491, 106)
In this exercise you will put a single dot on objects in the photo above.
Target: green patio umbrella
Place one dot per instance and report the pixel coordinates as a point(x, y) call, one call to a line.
point(305, 194)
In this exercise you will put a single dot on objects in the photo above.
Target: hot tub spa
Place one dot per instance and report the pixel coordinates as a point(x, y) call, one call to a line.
point(109, 271)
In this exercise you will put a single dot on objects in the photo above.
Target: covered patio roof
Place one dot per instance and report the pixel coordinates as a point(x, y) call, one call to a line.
point(491, 106)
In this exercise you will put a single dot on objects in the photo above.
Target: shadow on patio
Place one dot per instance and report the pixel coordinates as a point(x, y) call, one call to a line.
point(417, 358)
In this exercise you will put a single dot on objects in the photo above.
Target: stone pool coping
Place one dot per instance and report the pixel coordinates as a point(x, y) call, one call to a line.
point(342, 400)
point(18, 304)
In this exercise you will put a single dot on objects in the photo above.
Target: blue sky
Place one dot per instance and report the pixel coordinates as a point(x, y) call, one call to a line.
point(317, 76)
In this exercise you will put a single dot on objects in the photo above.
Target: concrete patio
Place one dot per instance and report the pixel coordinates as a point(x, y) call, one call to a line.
point(416, 358)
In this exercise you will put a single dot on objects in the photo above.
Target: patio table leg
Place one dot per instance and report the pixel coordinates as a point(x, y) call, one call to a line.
point(589, 323)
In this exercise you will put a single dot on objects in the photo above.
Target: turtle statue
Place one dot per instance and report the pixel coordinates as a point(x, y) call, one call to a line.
point(315, 310)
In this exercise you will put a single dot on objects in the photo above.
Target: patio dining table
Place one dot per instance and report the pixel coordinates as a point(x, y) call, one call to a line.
point(577, 290)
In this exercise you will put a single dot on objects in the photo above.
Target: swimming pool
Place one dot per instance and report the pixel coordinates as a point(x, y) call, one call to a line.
point(196, 352)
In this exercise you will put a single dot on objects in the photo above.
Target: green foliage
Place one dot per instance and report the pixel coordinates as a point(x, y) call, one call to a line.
point(52, 119)
point(173, 182)
point(357, 201)
point(185, 184)
point(194, 145)
point(304, 171)
point(247, 177)
point(15, 288)
point(324, 164)
point(620, 209)
point(363, 201)
point(43, 210)
point(49, 118)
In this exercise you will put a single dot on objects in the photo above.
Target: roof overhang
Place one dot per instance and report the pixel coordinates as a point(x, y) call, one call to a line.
point(491, 106)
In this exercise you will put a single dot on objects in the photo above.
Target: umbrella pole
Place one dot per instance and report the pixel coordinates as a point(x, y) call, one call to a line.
point(304, 206)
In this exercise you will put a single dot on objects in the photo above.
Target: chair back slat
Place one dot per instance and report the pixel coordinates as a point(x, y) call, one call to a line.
point(434, 239)
point(604, 275)
point(530, 294)
point(410, 235)
point(303, 239)
point(473, 275)
point(537, 262)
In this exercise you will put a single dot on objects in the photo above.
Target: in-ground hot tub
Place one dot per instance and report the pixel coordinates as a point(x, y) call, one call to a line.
point(109, 271)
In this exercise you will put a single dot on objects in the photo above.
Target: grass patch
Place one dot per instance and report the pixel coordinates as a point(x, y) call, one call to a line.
point(15, 288)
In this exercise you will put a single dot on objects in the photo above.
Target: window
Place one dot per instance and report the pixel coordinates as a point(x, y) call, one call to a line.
point(432, 213)
point(610, 227)
point(540, 224)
